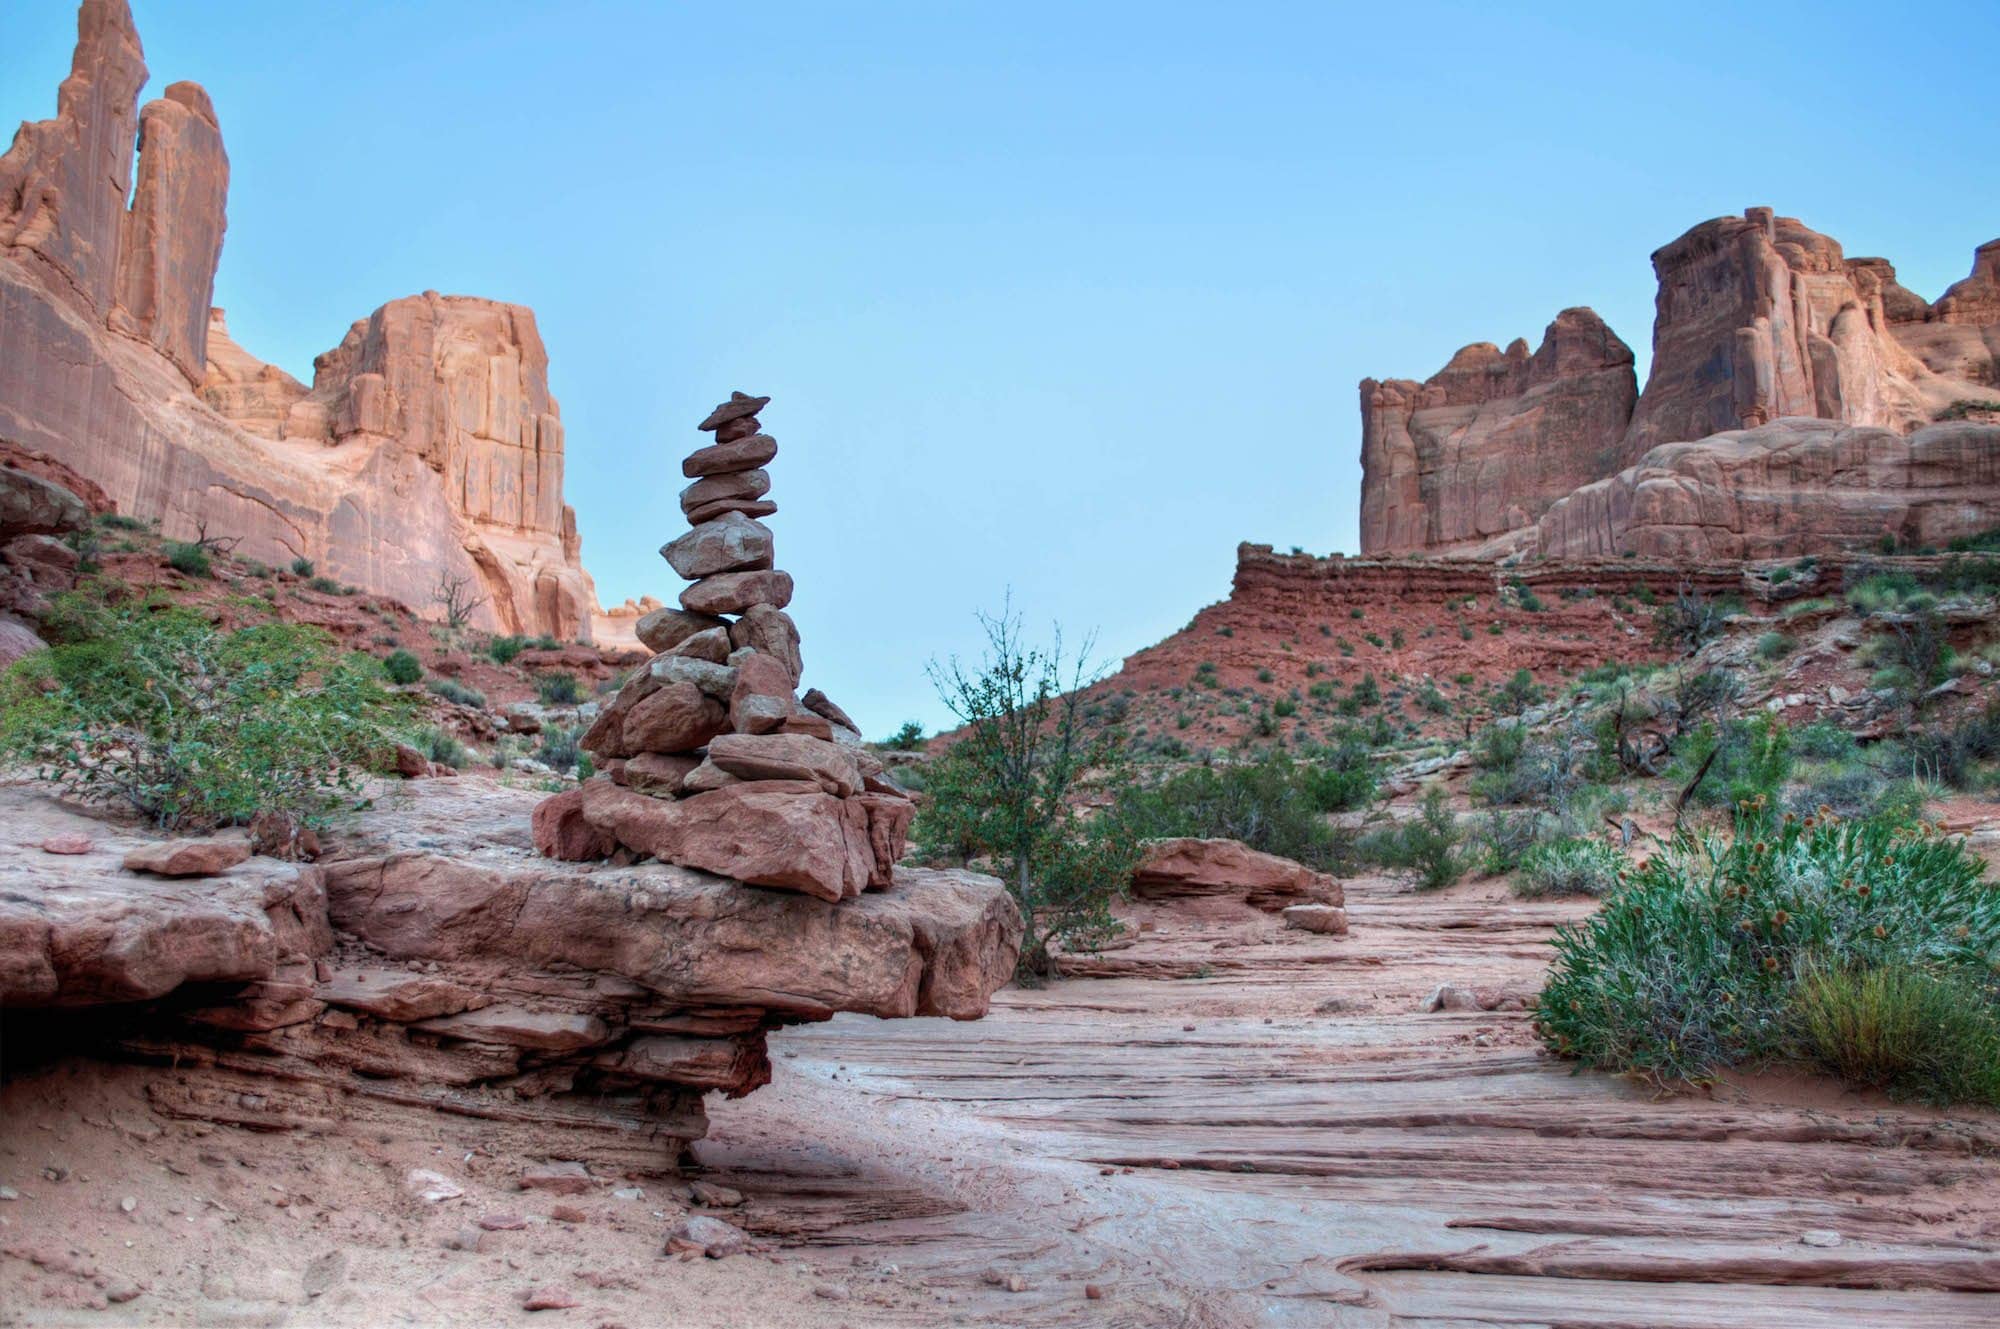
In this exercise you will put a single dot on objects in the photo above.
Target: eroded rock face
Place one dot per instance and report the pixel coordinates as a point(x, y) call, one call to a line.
point(1759, 320)
point(1482, 447)
point(428, 444)
point(1787, 488)
point(435, 959)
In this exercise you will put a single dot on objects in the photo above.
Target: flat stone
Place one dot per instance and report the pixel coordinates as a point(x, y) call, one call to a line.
point(664, 629)
point(749, 507)
point(735, 486)
point(709, 1236)
point(511, 1026)
point(718, 681)
point(787, 757)
point(188, 858)
point(730, 543)
point(711, 644)
point(740, 454)
point(396, 994)
point(739, 405)
point(678, 718)
point(560, 1178)
point(1328, 918)
point(734, 592)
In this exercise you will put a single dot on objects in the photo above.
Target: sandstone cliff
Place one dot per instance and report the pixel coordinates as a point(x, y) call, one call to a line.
point(1482, 447)
point(1763, 327)
point(428, 445)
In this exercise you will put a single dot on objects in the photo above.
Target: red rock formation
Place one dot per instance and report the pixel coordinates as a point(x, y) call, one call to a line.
point(1759, 319)
point(428, 445)
point(1191, 866)
point(1784, 489)
point(1482, 447)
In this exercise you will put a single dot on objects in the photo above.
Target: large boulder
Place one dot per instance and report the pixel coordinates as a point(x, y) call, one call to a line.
point(730, 543)
point(1190, 866)
point(787, 757)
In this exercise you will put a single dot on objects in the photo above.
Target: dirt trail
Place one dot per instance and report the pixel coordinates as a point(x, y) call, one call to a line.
point(1241, 1125)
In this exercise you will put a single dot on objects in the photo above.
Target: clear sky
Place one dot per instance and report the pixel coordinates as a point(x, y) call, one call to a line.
point(1068, 298)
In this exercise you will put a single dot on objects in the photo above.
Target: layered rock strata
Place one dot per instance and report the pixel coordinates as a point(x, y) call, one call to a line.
point(1482, 447)
point(709, 758)
point(428, 446)
point(1762, 325)
point(436, 961)
point(1191, 866)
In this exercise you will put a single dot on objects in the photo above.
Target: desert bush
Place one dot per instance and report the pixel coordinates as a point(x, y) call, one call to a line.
point(150, 705)
point(502, 650)
point(1823, 740)
point(1845, 788)
point(1773, 646)
point(1752, 760)
point(1700, 963)
point(325, 586)
point(402, 667)
point(558, 689)
point(1429, 848)
point(1517, 694)
point(1689, 620)
point(1908, 1029)
point(909, 738)
point(189, 557)
point(559, 750)
point(1507, 835)
point(302, 567)
point(453, 690)
point(1275, 804)
point(1569, 866)
point(441, 745)
point(1007, 790)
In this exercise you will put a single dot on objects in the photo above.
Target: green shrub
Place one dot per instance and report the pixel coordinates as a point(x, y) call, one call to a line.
point(1367, 692)
point(1427, 848)
point(1913, 1031)
point(1275, 805)
point(193, 559)
point(1773, 646)
point(1698, 964)
point(402, 667)
point(302, 567)
point(453, 690)
point(441, 745)
point(1569, 867)
point(150, 705)
point(1517, 694)
point(325, 586)
point(558, 689)
point(559, 749)
point(1823, 740)
point(502, 650)
point(909, 738)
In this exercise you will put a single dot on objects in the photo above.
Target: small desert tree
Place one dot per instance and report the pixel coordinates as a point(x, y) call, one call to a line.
point(457, 596)
point(1007, 788)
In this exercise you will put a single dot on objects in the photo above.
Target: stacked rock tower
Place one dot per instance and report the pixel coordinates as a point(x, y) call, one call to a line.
point(708, 756)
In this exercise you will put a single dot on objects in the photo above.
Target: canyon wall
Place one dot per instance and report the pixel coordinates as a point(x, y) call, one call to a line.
point(1763, 329)
point(428, 446)
point(1483, 446)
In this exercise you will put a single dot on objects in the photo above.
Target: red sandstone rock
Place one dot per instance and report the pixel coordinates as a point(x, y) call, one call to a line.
point(779, 833)
point(1793, 487)
point(188, 858)
point(787, 757)
point(1326, 918)
point(451, 448)
point(68, 844)
point(712, 645)
point(743, 426)
point(770, 631)
point(32, 505)
point(664, 629)
point(659, 773)
point(739, 454)
point(1483, 446)
point(730, 543)
point(708, 1236)
point(889, 817)
point(396, 994)
point(740, 406)
point(1190, 866)
point(820, 704)
point(744, 486)
point(734, 592)
point(676, 718)
point(561, 830)
point(560, 1178)
point(762, 699)
point(748, 507)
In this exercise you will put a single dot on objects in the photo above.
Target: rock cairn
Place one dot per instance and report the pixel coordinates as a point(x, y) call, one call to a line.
point(708, 757)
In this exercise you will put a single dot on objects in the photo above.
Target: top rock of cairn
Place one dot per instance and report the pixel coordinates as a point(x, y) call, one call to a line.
point(708, 757)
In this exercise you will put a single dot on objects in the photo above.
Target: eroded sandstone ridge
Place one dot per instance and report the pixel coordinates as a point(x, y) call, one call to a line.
point(435, 960)
point(710, 758)
point(427, 446)
point(1789, 409)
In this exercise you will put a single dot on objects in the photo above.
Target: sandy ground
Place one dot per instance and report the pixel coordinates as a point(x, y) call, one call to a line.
point(1233, 1125)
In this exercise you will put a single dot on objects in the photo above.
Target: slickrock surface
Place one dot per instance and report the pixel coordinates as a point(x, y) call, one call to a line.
point(1483, 446)
point(1763, 327)
point(437, 960)
point(710, 758)
point(428, 442)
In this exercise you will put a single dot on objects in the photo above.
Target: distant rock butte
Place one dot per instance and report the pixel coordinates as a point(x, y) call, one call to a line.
point(1766, 340)
point(428, 443)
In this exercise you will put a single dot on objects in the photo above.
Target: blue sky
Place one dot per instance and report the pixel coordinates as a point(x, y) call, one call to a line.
point(1067, 298)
